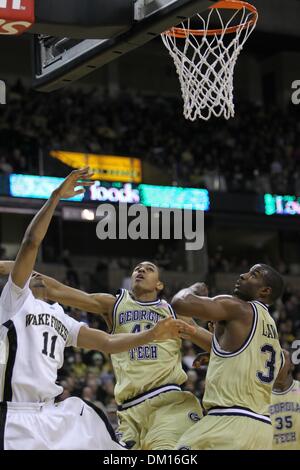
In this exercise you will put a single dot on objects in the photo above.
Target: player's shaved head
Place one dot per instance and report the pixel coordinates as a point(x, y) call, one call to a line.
point(273, 280)
point(261, 282)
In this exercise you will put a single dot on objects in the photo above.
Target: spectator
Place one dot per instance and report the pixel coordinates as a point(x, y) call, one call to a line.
point(259, 153)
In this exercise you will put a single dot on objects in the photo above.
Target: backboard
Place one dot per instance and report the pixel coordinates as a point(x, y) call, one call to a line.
point(59, 61)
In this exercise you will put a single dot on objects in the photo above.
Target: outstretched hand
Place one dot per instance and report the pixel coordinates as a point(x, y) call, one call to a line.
point(170, 328)
point(77, 178)
point(202, 359)
point(200, 288)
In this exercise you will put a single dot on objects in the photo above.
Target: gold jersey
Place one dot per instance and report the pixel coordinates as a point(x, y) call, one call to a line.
point(285, 416)
point(240, 382)
point(143, 371)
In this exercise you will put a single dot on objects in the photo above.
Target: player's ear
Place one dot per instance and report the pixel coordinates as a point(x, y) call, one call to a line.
point(265, 292)
point(160, 286)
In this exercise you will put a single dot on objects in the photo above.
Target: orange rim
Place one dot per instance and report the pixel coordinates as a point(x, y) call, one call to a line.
point(221, 5)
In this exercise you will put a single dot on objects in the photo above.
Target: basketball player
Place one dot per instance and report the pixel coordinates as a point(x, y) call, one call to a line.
point(285, 409)
point(33, 336)
point(245, 359)
point(153, 410)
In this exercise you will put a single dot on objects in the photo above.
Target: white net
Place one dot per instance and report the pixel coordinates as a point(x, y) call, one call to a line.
point(205, 59)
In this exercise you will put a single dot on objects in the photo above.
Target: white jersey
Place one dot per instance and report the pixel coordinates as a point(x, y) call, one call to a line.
point(33, 336)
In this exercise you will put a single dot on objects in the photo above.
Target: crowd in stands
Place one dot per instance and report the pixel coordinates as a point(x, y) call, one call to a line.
point(257, 151)
point(221, 262)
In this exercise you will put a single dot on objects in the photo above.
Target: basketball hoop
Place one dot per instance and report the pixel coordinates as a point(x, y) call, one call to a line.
point(205, 58)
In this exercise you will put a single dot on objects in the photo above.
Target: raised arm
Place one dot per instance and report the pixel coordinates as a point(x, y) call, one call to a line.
point(89, 338)
point(101, 304)
point(221, 308)
point(38, 227)
point(201, 337)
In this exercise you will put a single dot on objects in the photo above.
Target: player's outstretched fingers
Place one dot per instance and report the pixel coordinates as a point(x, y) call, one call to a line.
point(166, 329)
point(77, 178)
point(186, 330)
point(200, 360)
point(83, 177)
point(172, 327)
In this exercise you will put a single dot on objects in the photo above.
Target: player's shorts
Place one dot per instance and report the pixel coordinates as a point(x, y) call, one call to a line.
point(158, 422)
point(68, 425)
point(228, 433)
